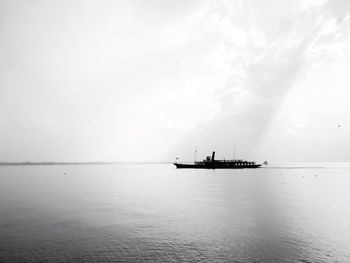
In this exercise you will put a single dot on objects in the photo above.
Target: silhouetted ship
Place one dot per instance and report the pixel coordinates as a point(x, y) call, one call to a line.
point(211, 163)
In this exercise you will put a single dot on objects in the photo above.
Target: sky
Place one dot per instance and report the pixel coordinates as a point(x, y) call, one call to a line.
point(151, 80)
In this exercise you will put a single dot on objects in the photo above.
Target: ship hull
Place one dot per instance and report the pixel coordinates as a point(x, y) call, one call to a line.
point(215, 166)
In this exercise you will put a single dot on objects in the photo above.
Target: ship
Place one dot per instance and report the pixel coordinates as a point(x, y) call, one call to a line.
point(210, 163)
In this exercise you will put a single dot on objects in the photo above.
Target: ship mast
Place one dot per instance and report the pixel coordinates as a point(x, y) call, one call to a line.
point(234, 151)
point(195, 154)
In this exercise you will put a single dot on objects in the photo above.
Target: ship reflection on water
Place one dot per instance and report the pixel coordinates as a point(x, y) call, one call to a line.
point(155, 213)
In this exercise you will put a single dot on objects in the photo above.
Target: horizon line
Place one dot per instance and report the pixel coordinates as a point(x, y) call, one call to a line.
point(80, 163)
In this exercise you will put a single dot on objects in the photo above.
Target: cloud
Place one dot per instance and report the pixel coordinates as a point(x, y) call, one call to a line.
point(275, 50)
point(114, 77)
point(339, 8)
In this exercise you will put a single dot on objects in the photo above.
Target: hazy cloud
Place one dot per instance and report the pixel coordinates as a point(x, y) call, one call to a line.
point(149, 80)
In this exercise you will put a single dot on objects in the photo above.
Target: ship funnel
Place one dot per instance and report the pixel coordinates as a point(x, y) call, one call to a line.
point(213, 157)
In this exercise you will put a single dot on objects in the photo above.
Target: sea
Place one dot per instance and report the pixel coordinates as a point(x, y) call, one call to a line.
point(157, 213)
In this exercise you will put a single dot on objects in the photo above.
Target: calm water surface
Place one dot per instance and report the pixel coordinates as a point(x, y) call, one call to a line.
point(155, 213)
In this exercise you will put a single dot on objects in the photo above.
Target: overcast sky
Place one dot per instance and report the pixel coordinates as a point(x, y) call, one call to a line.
point(150, 80)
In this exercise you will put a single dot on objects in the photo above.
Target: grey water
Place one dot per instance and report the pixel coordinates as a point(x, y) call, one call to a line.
point(155, 213)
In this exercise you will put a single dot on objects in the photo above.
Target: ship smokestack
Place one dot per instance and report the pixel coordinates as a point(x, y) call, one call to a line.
point(213, 157)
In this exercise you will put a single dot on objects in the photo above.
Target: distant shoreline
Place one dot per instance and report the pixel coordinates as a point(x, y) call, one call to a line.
point(75, 163)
